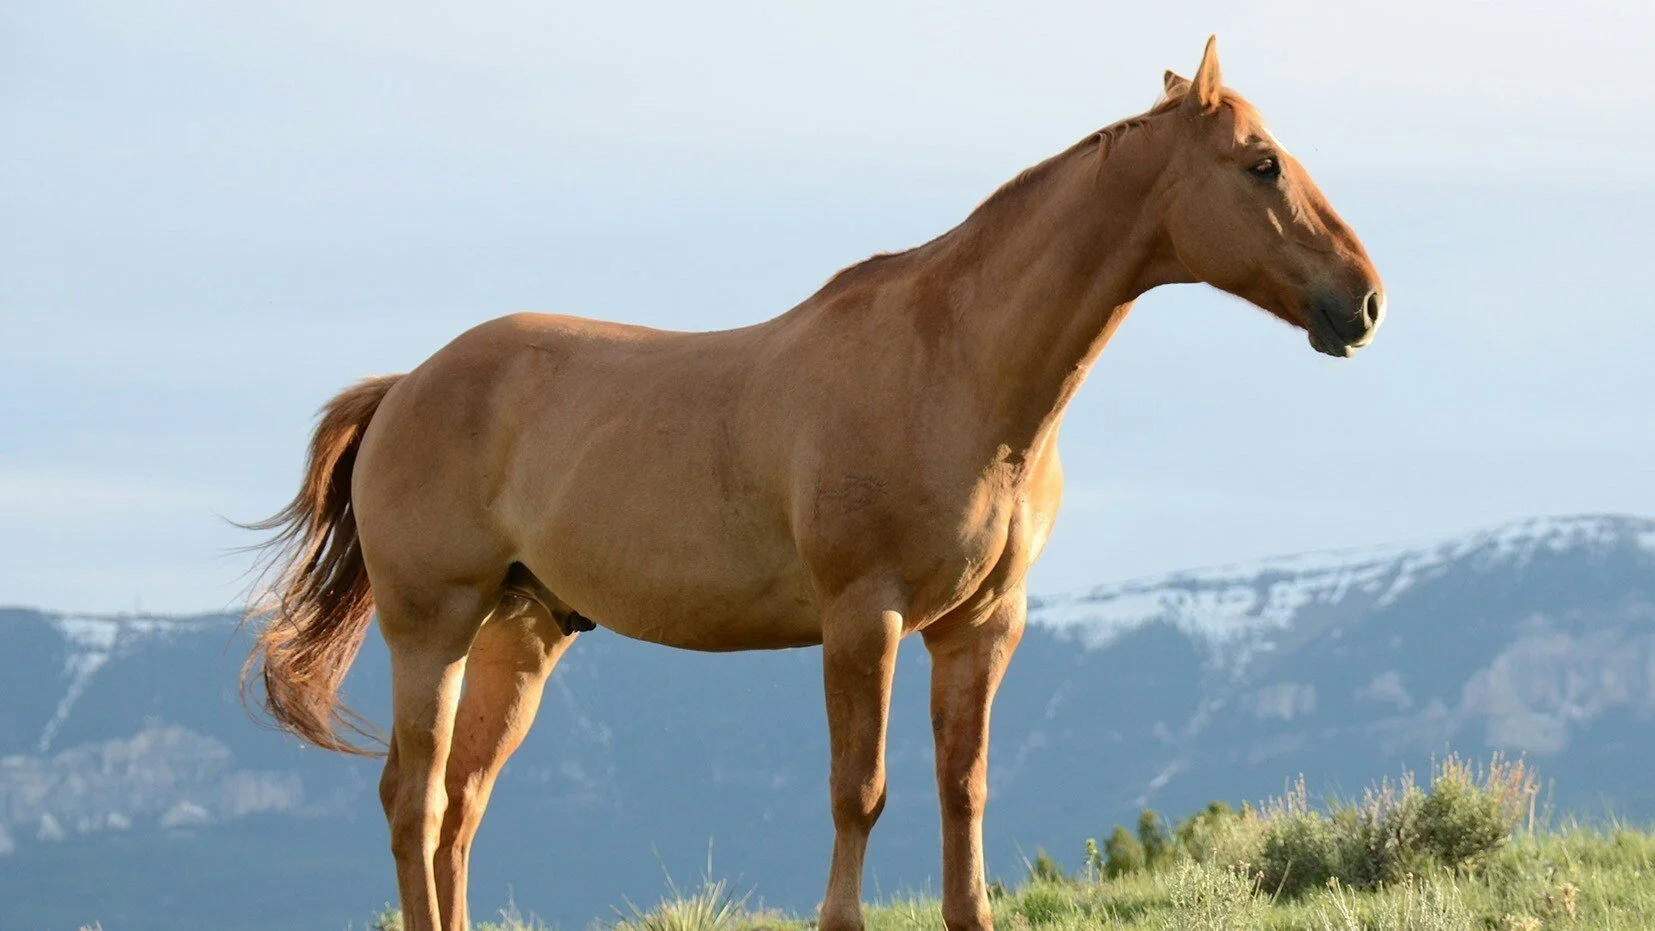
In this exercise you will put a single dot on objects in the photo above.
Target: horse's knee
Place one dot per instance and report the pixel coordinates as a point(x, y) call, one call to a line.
point(857, 804)
point(964, 796)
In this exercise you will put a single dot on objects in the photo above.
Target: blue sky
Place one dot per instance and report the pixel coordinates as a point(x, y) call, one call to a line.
point(213, 216)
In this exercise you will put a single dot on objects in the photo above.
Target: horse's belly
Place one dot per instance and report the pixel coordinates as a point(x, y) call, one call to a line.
point(709, 590)
point(689, 612)
point(683, 572)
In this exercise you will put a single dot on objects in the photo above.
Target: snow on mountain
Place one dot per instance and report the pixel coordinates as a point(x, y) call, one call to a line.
point(92, 641)
point(1229, 605)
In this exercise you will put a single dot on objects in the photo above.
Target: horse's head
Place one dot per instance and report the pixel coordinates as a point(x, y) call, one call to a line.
point(1243, 215)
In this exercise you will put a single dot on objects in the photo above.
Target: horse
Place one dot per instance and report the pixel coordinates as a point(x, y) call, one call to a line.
point(880, 460)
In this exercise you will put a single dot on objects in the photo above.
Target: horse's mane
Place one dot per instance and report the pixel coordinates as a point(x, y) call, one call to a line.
point(1102, 141)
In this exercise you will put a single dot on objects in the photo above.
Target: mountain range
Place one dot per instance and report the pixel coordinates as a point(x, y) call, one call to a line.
point(136, 791)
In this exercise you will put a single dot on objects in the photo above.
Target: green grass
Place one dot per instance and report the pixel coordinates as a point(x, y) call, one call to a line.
point(1461, 854)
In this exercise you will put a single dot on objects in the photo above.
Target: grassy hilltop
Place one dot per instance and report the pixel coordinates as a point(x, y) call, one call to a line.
point(1461, 853)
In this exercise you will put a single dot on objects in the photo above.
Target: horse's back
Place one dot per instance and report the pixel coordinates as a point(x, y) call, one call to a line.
point(624, 466)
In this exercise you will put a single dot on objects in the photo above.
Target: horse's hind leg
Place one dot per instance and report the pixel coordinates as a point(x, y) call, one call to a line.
point(428, 639)
point(504, 676)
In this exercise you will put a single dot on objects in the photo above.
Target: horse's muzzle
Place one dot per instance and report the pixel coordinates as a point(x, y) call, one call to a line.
point(1338, 329)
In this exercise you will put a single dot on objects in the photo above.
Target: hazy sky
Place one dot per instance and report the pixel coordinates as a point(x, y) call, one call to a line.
point(213, 216)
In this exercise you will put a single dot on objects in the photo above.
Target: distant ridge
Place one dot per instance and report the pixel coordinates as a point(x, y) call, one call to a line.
point(1238, 600)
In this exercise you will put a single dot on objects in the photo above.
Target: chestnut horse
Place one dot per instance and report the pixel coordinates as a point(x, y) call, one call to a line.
point(878, 461)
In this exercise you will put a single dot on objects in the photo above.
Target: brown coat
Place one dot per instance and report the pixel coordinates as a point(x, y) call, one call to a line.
point(879, 460)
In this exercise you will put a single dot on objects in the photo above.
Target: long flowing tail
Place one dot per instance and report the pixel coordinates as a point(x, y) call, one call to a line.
point(313, 593)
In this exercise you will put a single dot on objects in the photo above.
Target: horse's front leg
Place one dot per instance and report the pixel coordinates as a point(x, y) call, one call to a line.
point(966, 666)
point(859, 642)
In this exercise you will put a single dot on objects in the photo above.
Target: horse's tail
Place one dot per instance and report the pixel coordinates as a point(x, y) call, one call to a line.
point(314, 593)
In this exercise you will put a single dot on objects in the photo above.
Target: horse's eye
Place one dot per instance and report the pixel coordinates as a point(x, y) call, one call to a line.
point(1268, 169)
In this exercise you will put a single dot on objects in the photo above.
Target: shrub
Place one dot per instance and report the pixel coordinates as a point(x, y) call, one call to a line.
point(1396, 831)
point(1472, 812)
point(1217, 834)
point(388, 918)
point(1378, 840)
point(1190, 836)
point(1221, 835)
point(1122, 854)
point(1300, 852)
point(1044, 869)
point(1361, 846)
point(1153, 837)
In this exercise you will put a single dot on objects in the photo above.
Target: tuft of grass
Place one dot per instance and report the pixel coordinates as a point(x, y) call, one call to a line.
point(389, 918)
point(1045, 902)
point(1411, 906)
point(713, 907)
point(1207, 898)
point(511, 919)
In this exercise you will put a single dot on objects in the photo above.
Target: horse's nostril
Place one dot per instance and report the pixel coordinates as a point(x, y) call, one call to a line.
point(1373, 309)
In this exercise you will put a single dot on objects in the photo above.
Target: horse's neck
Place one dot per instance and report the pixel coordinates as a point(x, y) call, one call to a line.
point(1052, 273)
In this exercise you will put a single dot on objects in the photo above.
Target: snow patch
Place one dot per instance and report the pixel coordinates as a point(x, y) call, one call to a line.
point(1646, 541)
point(92, 642)
point(1234, 606)
point(97, 634)
point(50, 831)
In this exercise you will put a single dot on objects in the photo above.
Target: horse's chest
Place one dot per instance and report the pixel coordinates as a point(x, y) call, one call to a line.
point(989, 560)
point(956, 543)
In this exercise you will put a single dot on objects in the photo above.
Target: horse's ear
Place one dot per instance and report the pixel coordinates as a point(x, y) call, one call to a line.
point(1207, 86)
point(1176, 85)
